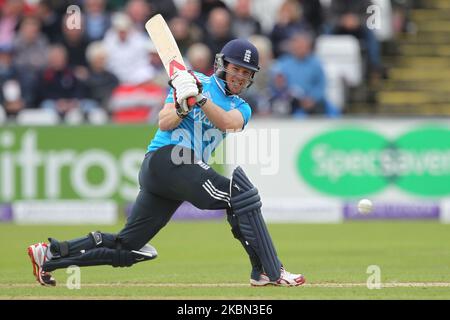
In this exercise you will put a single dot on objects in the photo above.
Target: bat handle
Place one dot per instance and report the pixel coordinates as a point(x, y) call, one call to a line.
point(191, 101)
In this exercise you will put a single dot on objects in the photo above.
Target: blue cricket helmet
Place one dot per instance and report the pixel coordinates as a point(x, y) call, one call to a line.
point(239, 52)
point(242, 53)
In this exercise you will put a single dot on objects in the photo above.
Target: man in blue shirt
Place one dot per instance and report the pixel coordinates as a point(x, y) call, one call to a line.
point(304, 75)
point(174, 170)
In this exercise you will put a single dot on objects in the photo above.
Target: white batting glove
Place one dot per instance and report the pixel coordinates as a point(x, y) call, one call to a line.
point(184, 84)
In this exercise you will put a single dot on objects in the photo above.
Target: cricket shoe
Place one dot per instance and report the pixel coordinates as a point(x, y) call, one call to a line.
point(38, 255)
point(286, 279)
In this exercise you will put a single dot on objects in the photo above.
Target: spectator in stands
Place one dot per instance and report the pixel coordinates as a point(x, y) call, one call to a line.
point(73, 39)
point(51, 21)
point(116, 5)
point(166, 8)
point(139, 11)
point(160, 77)
point(184, 35)
point(60, 6)
point(10, 87)
point(100, 82)
point(281, 99)
point(30, 45)
point(219, 29)
point(349, 17)
point(258, 94)
point(244, 24)
point(313, 13)
point(137, 104)
point(289, 21)
point(200, 58)
point(30, 55)
point(401, 11)
point(209, 5)
point(96, 19)
point(190, 10)
point(127, 52)
point(10, 15)
point(304, 75)
point(58, 88)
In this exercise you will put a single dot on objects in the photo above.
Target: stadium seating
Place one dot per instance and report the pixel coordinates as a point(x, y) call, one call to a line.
point(37, 117)
point(136, 103)
point(419, 80)
point(74, 117)
point(384, 31)
point(98, 116)
point(342, 61)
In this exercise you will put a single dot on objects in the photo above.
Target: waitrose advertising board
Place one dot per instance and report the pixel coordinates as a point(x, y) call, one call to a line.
point(64, 162)
point(306, 170)
point(72, 174)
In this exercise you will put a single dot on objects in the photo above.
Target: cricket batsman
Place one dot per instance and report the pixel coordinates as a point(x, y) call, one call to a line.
point(174, 170)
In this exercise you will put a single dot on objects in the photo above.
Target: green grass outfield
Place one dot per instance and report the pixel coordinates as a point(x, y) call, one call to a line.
point(201, 260)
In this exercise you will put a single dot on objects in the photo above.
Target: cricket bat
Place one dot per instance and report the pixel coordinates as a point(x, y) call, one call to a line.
point(166, 46)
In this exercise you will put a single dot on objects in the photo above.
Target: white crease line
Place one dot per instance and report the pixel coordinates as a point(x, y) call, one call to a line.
point(234, 285)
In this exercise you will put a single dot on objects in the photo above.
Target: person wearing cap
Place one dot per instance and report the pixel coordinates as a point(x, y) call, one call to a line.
point(127, 52)
point(199, 112)
point(11, 86)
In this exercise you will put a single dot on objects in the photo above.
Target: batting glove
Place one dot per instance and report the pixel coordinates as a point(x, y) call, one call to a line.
point(182, 109)
point(185, 84)
point(200, 99)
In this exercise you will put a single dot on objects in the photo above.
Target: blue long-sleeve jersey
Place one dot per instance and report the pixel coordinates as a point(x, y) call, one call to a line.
point(196, 131)
point(306, 76)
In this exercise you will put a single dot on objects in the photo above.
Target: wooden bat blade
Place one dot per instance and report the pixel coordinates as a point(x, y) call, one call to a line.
point(165, 44)
point(167, 47)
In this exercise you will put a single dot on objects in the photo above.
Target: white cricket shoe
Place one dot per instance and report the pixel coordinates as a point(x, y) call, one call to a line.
point(286, 279)
point(38, 255)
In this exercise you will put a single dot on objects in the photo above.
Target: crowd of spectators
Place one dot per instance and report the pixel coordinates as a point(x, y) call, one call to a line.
point(102, 59)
